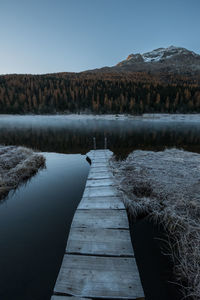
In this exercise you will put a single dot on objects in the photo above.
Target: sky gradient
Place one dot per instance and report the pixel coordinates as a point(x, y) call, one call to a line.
point(48, 36)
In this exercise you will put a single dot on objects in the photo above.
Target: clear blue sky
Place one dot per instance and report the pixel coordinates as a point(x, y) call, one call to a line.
point(44, 36)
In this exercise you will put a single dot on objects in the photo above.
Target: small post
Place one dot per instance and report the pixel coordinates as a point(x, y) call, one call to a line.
point(94, 143)
point(105, 142)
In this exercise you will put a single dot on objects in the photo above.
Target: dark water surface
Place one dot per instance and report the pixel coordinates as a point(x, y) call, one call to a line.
point(35, 220)
point(67, 135)
point(34, 225)
point(155, 267)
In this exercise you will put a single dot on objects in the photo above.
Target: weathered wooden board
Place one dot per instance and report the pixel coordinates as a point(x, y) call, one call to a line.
point(101, 203)
point(98, 175)
point(99, 169)
point(100, 218)
point(99, 156)
point(100, 191)
point(67, 298)
point(100, 182)
point(100, 160)
point(99, 153)
point(96, 152)
point(99, 241)
point(102, 277)
point(100, 165)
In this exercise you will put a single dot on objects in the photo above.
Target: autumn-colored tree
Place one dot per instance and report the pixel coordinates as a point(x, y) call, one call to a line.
point(100, 93)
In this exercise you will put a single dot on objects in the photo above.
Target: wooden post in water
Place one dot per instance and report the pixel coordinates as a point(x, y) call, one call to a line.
point(94, 143)
point(105, 142)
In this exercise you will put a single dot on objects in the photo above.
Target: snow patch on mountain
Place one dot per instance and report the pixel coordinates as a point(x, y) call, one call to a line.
point(165, 53)
point(160, 54)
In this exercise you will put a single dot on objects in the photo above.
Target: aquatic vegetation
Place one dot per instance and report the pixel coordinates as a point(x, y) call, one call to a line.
point(17, 164)
point(166, 187)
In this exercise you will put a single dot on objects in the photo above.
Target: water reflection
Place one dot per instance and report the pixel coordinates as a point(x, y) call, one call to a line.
point(34, 225)
point(62, 135)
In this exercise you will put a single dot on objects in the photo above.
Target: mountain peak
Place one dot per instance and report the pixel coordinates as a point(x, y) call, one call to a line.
point(165, 53)
point(159, 54)
point(172, 58)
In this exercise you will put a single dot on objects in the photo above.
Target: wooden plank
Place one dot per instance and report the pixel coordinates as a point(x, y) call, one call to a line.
point(100, 151)
point(99, 175)
point(100, 241)
point(99, 165)
point(56, 297)
point(102, 277)
point(99, 169)
point(100, 191)
point(100, 182)
point(94, 172)
point(96, 157)
point(100, 218)
point(98, 162)
point(101, 203)
point(99, 159)
point(99, 155)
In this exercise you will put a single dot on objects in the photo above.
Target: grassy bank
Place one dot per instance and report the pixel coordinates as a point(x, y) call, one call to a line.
point(165, 186)
point(17, 164)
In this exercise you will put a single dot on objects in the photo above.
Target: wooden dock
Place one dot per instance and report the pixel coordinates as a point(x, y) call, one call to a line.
point(99, 260)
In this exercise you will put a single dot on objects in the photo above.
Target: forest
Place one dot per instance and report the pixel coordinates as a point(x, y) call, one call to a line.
point(99, 93)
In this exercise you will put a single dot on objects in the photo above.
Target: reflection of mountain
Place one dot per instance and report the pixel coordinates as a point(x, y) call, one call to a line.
point(123, 136)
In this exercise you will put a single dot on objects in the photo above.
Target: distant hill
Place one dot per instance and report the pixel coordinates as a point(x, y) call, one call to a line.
point(165, 80)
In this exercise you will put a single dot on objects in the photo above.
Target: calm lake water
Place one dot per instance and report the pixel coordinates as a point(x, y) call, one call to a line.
point(35, 219)
point(61, 134)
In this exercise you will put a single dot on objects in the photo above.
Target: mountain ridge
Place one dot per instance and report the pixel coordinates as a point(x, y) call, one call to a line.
point(170, 60)
point(160, 54)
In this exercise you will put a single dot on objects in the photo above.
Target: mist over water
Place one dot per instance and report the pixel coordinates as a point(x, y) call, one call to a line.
point(67, 135)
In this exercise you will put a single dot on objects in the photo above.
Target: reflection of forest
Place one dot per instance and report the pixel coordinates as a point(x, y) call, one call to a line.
point(122, 137)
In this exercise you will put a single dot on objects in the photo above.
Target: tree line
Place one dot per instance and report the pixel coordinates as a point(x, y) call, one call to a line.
point(133, 93)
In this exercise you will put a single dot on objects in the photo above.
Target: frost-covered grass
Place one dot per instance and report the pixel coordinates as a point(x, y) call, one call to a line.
point(166, 186)
point(17, 164)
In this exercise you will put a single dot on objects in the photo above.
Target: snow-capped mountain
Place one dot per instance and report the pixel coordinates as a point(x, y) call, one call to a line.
point(172, 59)
point(159, 54)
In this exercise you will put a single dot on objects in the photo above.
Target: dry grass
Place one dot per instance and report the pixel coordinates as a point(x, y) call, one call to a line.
point(166, 186)
point(17, 164)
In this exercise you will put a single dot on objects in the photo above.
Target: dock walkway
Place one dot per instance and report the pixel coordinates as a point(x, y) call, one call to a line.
point(99, 260)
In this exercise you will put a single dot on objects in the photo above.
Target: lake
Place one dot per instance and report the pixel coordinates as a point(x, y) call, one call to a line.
point(62, 134)
point(35, 219)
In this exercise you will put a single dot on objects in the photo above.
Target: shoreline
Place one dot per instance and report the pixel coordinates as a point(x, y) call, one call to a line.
point(164, 186)
point(144, 117)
